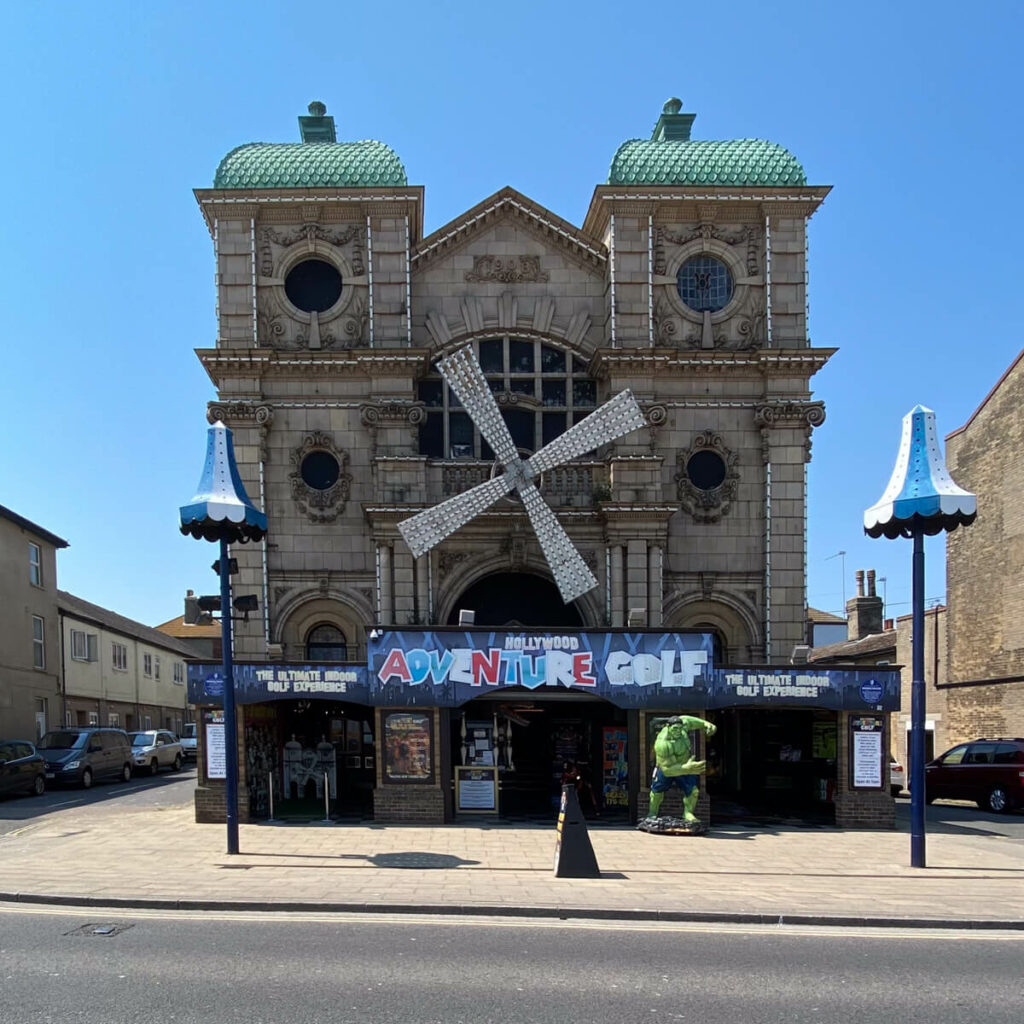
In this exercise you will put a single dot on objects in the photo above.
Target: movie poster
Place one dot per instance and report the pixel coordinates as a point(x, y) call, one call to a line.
point(408, 746)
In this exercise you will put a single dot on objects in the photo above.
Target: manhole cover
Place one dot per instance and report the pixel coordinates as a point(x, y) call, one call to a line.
point(103, 930)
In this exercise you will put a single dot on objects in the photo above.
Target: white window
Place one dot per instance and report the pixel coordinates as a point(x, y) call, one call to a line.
point(94, 718)
point(38, 642)
point(83, 645)
point(147, 664)
point(156, 667)
point(179, 673)
point(114, 720)
point(67, 719)
point(35, 564)
point(119, 653)
point(147, 722)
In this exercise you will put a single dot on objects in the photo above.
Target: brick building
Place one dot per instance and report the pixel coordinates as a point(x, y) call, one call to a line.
point(686, 284)
point(985, 570)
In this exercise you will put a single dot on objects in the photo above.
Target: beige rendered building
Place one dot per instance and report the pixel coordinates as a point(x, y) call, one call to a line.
point(686, 284)
point(118, 672)
point(29, 634)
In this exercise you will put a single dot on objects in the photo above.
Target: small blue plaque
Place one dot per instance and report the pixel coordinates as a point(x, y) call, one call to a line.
point(871, 691)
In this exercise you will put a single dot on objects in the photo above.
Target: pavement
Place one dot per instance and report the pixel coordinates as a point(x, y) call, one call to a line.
point(105, 855)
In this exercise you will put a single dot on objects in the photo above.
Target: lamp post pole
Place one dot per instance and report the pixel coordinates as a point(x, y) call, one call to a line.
point(221, 511)
point(921, 498)
point(917, 711)
point(230, 726)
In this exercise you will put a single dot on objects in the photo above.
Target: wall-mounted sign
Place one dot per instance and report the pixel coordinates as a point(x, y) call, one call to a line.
point(866, 764)
point(476, 789)
point(448, 667)
point(216, 755)
point(256, 684)
point(408, 746)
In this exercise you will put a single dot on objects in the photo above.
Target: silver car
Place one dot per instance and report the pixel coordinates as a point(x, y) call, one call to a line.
point(155, 749)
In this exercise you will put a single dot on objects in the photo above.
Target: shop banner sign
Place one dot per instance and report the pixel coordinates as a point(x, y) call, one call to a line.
point(873, 689)
point(449, 667)
point(255, 684)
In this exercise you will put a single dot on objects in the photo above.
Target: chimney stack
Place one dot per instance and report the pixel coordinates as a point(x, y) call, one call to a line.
point(864, 612)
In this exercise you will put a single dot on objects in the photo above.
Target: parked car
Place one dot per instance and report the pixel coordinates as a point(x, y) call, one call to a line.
point(22, 769)
point(155, 749)
point(897, 777)
point(187, 739)
point(85, 755)
point(989, 772)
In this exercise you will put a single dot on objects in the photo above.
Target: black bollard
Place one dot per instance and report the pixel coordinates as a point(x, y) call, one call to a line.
point(574, 855)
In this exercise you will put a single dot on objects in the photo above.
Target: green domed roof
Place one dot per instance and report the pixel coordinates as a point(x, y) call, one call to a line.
point(318, 161)
point(671, 157)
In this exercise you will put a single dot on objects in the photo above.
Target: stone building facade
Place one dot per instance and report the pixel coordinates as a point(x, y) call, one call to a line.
point(685, 284)
point(985, 569)
point(29, 633)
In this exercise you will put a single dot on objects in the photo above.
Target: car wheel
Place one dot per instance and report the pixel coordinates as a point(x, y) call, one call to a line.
point(126, 773)
point(154, 766)
point(177, 762)
point(997, 800)
point(38, 786)
point(87, 779)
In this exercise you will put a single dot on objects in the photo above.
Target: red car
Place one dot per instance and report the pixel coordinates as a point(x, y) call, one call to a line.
point(989, 772)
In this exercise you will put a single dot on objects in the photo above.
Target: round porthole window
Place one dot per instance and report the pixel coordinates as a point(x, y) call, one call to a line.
point(320, 470)
point(705, 470)
point(313, 286)
point(705, 284)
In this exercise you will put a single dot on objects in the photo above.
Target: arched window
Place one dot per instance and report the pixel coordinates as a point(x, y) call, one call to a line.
point(326, 643)
point(719, 648)
point(541, 390)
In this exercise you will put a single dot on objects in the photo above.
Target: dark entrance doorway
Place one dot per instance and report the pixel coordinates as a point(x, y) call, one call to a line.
point(772, 765)
point(317, 754)
point(518, 599)
point(539, 738)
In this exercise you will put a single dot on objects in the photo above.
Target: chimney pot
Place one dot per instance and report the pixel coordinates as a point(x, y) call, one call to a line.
point(860, 582)
point(871, 582)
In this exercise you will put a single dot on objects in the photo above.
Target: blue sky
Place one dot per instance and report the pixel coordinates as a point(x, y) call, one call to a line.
point(114, 112)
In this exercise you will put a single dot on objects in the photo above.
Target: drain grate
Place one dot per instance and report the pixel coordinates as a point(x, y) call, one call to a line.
point(103, 930)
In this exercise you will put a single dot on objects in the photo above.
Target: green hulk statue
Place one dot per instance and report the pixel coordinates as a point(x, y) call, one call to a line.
point(674, 764)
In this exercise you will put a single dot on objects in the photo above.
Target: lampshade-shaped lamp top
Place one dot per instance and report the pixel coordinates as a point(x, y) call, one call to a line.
point(221, 510)
point(921, 496)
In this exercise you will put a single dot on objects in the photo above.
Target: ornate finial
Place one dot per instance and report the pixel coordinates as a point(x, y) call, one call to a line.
point(317, 109)
point(672, 106)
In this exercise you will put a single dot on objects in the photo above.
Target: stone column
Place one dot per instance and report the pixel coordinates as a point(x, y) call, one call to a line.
point(403, 585)
point(654, 585)
point(422, 568)
point(386, 593)
point(618, 587)
point(636, 575)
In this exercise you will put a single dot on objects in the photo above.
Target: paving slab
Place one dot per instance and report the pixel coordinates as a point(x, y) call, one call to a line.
point(161, 857)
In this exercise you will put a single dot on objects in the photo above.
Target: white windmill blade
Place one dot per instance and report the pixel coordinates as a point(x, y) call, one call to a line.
point(617, 417)
point(429, 527)
point(572, 575)
point(464, 376)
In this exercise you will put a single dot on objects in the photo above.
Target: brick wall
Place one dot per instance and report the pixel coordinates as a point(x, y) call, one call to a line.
point(984, 582)
point(861, 808)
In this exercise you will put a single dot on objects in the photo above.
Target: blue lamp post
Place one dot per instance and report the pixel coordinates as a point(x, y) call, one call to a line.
point(221, 511)
point(921, 500)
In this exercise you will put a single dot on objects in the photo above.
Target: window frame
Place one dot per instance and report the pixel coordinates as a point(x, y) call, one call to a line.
point(147, 664)
point(179, 673)
point(39, 643)
point(35, 565)
point(120, 663)
point(522, 392)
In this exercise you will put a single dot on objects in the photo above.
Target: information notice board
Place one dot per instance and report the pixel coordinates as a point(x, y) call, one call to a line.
point(866, 732)
point(476, 789)
point(216, 752)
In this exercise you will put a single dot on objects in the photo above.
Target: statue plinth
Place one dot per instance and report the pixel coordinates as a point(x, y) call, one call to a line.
point(667, 826)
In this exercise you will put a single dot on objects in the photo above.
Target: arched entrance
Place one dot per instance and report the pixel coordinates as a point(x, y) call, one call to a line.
point(519, 599)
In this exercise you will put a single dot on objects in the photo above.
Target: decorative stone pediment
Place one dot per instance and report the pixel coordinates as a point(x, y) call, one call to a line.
point(510, 205)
